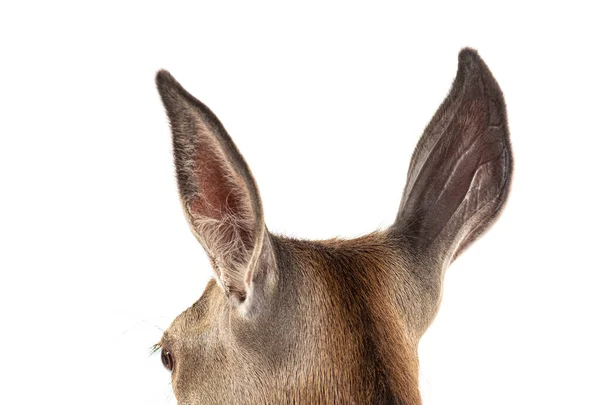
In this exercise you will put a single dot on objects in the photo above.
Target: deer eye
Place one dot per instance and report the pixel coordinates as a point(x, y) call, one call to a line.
point(167, 359)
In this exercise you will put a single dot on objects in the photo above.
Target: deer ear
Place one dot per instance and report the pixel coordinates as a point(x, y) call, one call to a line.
point(219, 195)
point(460, 172)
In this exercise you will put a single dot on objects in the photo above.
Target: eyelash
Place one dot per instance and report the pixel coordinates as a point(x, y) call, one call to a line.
point(155, 348)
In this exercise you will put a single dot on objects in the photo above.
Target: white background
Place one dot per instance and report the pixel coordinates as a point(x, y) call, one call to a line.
point(326, 102)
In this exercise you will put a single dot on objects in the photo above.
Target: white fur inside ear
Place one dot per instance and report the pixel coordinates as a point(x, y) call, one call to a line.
point(225, 246)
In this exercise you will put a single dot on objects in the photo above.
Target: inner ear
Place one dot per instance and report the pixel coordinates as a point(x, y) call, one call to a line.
point(215, 195)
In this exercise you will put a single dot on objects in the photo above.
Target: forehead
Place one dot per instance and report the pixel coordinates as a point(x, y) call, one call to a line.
point(197, 317)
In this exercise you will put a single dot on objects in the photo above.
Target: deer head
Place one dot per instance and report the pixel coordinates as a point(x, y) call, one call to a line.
point(288, 321)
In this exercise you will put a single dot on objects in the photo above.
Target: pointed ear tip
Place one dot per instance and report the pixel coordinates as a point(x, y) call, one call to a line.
point(469, 58)
point(468, 54)
point(164, 79)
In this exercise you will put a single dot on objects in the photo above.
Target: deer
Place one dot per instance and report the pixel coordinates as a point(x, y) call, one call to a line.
point(290, 321)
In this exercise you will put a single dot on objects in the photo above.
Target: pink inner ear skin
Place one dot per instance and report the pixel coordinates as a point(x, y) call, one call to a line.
point(213, 197)
point(220, 191)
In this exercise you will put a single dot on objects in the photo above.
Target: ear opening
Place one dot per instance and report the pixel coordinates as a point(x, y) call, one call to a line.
point(217, 190)
point(460, 172)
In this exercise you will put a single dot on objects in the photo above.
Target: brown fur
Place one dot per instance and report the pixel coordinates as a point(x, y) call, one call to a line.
point(328, 322)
